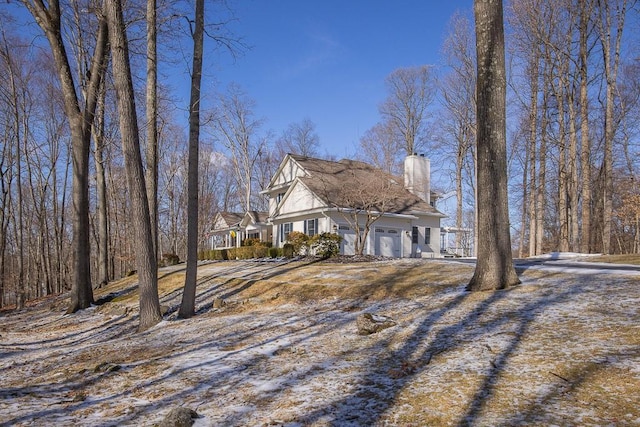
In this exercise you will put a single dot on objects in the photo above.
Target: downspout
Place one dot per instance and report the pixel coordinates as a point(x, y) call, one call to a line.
point(324, 213)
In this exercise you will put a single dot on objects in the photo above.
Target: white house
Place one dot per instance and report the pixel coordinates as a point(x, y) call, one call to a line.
point(230, 229)
point(315, 196)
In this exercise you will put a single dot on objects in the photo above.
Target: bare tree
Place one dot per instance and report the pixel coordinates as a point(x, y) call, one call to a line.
point(152, 119)
point(411, 92)
point(527, 16)
point(380, 148)
point(102, 218)
point(610, 25)
point(145, 253)
point(172, 180)
point(187, 307)
point(80, 114)
point(584, 29)
point(266, 165)
point(299, 138)
point(458, 90)
point(494, 268)
point(6, 174)
point(627, 215)
point(369, 195)
point(236, 127)
point(18, 121)
point(362, 204)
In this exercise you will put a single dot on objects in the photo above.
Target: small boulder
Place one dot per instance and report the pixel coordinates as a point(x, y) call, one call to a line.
point(371, 323)
point(179, 417)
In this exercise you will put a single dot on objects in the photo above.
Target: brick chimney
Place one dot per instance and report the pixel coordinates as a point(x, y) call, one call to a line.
point(417, 170)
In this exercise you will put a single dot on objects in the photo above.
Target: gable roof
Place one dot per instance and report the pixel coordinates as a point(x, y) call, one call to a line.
point(350, 183)
point(231, 218)
point(227, 220)
point(255, 217)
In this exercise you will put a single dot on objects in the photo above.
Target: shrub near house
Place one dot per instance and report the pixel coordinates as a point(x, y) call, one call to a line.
point(326, 245)
point(300, 242)
point(251, 249)
point(309, 196)
point(323, 245)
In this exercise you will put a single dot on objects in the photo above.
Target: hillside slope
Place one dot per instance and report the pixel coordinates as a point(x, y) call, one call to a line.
point(277, 344)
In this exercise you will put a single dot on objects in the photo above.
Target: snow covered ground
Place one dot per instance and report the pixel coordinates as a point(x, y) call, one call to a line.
point(563, 348)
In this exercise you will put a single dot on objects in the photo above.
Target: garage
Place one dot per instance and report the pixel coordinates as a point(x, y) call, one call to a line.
point(388, 242)
point(347, 245)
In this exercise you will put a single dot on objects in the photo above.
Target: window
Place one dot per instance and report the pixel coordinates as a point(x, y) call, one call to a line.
point(311, 227)
point(427, 236)
point(414, 235)
point(285, 229)
point(279, 197)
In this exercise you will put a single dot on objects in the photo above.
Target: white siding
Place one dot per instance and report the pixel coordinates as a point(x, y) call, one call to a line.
point(289, 172)
point(299, 199)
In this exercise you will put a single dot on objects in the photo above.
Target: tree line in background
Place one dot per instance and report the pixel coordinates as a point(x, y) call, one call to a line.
point(66, 202)
point(574, 88)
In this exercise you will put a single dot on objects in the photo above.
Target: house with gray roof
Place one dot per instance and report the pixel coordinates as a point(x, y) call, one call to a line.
point(374, 212)
point(230, 229)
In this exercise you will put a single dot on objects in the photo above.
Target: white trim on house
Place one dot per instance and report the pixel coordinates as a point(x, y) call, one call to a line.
point(293, 201)
point(230, 229)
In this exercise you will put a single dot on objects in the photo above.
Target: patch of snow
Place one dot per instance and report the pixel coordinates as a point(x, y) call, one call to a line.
point(563, 256)
point(303, 364)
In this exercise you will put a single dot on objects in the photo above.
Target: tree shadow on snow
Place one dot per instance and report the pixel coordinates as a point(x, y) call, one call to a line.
point(395, 368)
point(237, 359)
point(243, 275)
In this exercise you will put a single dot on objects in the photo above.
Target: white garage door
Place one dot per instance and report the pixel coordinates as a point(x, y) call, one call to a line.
point(388, 242)
point(347, 246)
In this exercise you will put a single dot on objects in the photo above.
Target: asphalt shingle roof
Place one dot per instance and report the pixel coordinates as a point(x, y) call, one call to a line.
point(350, 183)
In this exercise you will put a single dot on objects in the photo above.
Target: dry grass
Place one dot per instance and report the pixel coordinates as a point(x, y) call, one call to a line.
point(633, 259)
point(307, 281)
point(559, 349)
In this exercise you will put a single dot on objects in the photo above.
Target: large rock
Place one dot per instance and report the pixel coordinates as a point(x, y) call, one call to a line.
point(371, 323)
point(179, 417)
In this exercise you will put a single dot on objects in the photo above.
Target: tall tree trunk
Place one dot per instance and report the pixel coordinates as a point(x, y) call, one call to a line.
point(19, 135)
point(187, 307)
point(563, 244)
point(572, 176)
point(145, 255)
point(541, 188)
point(534, 70)
point(152, 120)
point(476, 217)
point(20, 288)
point(102, 218)
point(525, 201)
point(494, 268)
point(5, 198)
point(49, 18)
point(585, 140)
point(461, 153)
point(611, 59)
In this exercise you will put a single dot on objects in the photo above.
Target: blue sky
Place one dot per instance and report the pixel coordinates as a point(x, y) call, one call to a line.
point(327, 60)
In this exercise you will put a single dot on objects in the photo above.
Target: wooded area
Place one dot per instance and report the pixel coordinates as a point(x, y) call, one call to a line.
point(67, 193)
